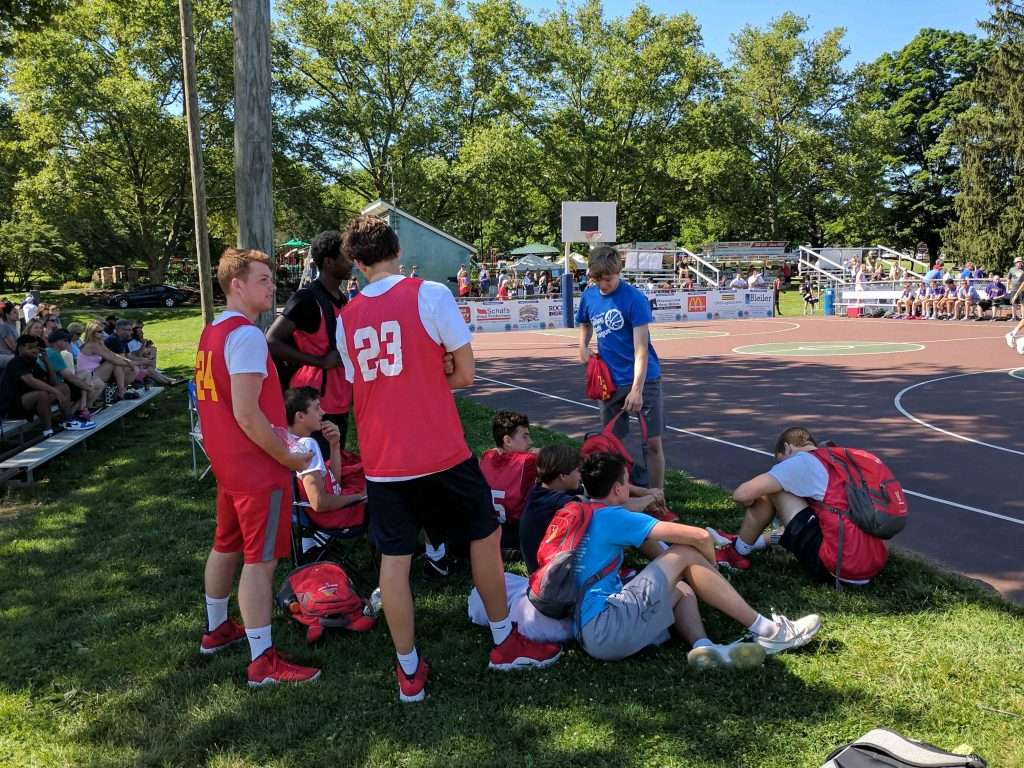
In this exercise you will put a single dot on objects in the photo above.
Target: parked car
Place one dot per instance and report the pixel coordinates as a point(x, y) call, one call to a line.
point(150, 296)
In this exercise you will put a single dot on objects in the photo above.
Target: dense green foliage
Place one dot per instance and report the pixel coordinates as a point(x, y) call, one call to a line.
point(481, 118)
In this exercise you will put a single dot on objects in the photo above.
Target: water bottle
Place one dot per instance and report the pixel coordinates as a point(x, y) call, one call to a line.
point(374, 606)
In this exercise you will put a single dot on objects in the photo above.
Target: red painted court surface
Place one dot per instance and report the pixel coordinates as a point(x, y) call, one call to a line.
point(940, 402)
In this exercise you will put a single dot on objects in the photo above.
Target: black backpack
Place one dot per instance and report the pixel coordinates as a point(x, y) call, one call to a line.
point(882, 748)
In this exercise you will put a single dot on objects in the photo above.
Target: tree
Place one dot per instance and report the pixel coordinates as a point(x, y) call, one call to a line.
point(917, 91)
point(99, 100)
point(989, 137)
point(788, 92)
point(25, 16)
point(28, 247)
point(363, 80)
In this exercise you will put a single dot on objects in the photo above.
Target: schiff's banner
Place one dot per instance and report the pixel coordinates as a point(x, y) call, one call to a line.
point(542, 314)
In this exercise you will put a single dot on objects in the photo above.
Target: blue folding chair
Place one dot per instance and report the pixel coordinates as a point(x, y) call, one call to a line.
point(334, 544)
point(195, 433)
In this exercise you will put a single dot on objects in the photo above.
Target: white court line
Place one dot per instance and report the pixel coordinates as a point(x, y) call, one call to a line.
point(827, 348)
point(1015, 373)
point(720, 334)
point(592, 407)
point(898, 402)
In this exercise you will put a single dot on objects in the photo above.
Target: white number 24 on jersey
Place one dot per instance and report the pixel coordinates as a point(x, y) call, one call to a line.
point(379, 353)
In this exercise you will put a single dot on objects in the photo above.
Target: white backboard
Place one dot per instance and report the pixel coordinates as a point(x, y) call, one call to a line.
point(578, 217)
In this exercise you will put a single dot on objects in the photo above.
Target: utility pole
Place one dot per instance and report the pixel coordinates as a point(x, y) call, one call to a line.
point(195, 154)
point(254, 201)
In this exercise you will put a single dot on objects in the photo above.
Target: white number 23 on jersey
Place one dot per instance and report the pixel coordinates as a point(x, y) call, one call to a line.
point(379, 353)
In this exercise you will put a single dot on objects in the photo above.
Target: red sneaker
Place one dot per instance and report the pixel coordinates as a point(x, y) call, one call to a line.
point(412, 688)
point(519, 652)
point(272, 668)
point(728, 557)
point(227, 634)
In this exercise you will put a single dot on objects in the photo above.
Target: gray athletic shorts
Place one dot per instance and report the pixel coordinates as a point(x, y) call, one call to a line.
point(638, 616)
point(653, 409)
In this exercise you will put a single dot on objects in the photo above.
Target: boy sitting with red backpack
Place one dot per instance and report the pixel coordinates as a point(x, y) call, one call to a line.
point(335, 490)
point(579, 563)
point(838, 505)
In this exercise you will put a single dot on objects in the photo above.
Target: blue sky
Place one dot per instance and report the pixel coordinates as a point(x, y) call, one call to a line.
point(873, 27)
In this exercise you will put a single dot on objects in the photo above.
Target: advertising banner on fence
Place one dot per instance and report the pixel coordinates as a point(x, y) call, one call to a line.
point(541, 314)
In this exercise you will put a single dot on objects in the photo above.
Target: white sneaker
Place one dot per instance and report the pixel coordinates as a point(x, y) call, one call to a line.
point(717, 539)
point(79, 426)
point(736, 655)
point(790, 634)
point(1010, 339)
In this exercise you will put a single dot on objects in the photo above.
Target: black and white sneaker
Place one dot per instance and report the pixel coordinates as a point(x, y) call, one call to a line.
point(436, 569)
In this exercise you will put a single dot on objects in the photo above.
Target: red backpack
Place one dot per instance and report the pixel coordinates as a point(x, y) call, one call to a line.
point(864, 503)
point(871, 496)
point(321, 595)
point(605, 441)
point(553, 588)
point(599, 379)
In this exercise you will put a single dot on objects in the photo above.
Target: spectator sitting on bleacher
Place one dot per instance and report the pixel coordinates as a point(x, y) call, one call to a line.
point(756, 279)
point(34, 327)
point(83, 391)
point(96, 359)
point(947, 301)
point(8, 332)
point(963, 301)
point(24, 391)
point(997, 298)
point(320, 483)
point(29, 309)
point(76, 330)
point(738, 281)
point(906, 301)
point(142, 352)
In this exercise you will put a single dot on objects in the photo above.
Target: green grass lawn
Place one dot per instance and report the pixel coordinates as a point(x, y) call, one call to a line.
point(101, 610)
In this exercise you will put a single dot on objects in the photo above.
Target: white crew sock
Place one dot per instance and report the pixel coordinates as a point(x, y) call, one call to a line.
point(702, 643)
point(259, 640)
point(501, 629)
point(216, 611)
point(435, 553)
point(762, 627)
point(745, 549)
point(409, 662)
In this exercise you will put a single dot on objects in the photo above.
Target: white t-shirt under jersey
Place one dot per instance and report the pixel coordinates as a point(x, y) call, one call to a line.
point(439, 314)
point(245, 350)
point(802, 475)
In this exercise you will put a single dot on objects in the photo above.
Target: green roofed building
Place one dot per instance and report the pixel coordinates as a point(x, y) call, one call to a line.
point(436, 254)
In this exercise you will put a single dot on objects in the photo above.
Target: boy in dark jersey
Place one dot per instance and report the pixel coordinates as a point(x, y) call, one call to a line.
point(419, 470)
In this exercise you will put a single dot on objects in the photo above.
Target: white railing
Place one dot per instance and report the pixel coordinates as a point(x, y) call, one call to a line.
point(708, 264)
point(710, 281)
point(819, 259)
point(806, 262)
point(900, 256)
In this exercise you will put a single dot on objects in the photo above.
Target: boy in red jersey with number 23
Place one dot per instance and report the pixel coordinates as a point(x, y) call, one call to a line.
point(394, 336)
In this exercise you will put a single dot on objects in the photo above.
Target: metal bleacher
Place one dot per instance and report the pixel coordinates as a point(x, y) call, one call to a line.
point(31, 458)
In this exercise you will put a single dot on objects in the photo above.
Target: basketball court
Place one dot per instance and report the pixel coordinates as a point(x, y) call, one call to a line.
point(938, 401)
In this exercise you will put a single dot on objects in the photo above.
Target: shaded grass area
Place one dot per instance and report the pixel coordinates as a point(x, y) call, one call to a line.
point(101, 610)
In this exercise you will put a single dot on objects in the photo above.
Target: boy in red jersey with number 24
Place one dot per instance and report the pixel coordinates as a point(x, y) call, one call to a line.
point(240, 403)
point(394, 336)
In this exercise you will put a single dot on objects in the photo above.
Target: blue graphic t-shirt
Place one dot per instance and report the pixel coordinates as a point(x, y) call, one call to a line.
point(610, 531)
point(614, 316)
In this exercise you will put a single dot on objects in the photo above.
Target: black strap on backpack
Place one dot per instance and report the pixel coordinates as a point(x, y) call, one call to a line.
point(326, 303)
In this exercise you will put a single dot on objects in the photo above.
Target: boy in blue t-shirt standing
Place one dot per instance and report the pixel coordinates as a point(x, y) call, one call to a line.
point(619, 315)
point(617, 620)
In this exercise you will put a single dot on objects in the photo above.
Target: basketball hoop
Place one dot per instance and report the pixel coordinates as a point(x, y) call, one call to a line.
point(592, 238)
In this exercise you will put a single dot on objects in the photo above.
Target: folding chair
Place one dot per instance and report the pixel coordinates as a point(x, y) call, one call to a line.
point(332, 543)
point(195, 433)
